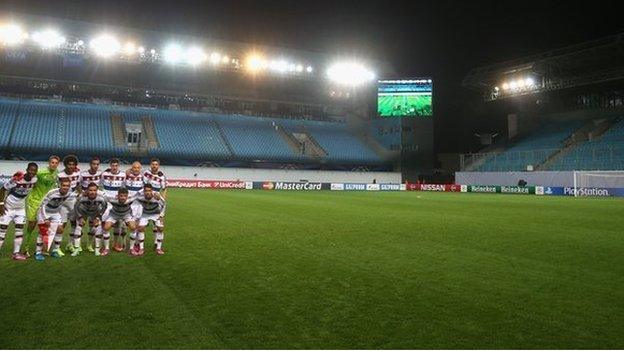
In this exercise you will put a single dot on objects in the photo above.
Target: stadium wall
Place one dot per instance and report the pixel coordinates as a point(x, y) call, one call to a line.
point(246, 174)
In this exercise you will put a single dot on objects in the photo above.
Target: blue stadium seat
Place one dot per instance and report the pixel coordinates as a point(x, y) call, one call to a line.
point(87, 129)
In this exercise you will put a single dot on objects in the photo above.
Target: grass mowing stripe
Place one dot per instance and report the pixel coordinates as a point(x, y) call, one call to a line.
point(269, 269)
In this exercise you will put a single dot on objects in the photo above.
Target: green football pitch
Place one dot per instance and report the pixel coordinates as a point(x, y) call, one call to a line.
point(404, 105)
point(268, 269)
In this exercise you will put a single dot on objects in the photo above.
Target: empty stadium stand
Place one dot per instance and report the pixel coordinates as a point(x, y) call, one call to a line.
point(32, 127)
point(534, 149)
point(606, 152)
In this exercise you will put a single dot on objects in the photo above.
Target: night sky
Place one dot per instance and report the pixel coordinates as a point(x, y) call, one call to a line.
point(442, 39)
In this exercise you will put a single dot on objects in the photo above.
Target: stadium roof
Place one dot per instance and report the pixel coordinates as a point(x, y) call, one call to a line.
point(587, 63)
point(231, 54)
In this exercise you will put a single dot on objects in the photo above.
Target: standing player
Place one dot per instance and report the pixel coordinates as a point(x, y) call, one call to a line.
point(71, 174)
point(156, 178)
point(13, 207)
point(134, 184)
point(114, 179)
point(92, 175)
point(46, 181)
point(90, 206)
point(119, 211)
point(49, 218)
point(153, 209)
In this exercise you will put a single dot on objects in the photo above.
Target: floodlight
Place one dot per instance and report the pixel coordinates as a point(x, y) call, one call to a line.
point(505, 86)
point(225, 59)
point(48, 38)
point(215, 58)
point(309, 69)
point(172, 53)
point(105, 45)
point(299, 68)
point(195, 56)
point(12, 34)
point(141, 50)
point(349, 73)
point(529, 81)
point(129, 49)
point(255, 63)
point(513, 84)
point(279, 65)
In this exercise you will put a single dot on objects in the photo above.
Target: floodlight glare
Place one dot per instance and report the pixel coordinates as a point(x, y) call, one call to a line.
point(349, 73)
point(513, 84)
point(309, 69)
point(215, 58)
point(48, 39)
point(141, 50)
point(12, 34)
point(129, 49)
point(279, 66)
point(255, 63)
point(195, 56)
point(225, 59)
point(299, 68)
point(172, 53)
point(505, 86)
point(529, 82)
point(105, 45)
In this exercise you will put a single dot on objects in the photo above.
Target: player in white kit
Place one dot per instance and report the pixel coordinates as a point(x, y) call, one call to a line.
point(49, 218)
point(90, 207)
point(119, 211)
point(91, 175)
point(112, 180)
point(134, 184)
point(152, 210)
point(13, 206)
point(158, 180)
point(72, 174)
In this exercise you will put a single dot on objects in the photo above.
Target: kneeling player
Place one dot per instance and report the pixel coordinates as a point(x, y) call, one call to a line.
point(119, 211)
point(13, 208)
point(90, 207)
point(49, 218)
point(153, 209)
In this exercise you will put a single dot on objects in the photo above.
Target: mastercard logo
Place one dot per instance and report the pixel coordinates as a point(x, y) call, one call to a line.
point(268, 186)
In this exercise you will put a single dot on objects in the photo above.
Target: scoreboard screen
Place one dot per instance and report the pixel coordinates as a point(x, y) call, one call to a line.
point(405, 98)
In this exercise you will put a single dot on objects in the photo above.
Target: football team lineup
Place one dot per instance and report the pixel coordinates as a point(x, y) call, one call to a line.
point(54, 201)
point(280, 269)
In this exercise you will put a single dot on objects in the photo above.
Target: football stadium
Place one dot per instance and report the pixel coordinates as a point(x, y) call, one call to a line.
point(164, 189)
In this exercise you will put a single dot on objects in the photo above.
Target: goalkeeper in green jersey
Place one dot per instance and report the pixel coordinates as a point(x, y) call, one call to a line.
point(46, 181)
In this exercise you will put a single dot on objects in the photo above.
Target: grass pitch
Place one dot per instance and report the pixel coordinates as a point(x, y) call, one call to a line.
point(260, 269)
point(404, 105)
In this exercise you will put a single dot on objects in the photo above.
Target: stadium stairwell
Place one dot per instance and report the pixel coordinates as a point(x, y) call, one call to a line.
point(150, 132)
point(315, 149)
point(295, 145)
point(225, 141)
point(118, 129)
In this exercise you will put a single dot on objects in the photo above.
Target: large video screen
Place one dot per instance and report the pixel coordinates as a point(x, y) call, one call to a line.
point(405, 98)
